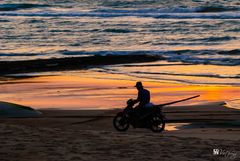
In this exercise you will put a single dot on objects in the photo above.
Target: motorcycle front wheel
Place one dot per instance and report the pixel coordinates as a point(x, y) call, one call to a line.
point(120, 122)
point(157, 123)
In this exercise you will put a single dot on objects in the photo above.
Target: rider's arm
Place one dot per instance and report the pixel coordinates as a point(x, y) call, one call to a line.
point(138, 99)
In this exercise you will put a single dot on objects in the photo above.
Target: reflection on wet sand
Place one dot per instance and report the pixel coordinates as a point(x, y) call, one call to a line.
point(89, 89)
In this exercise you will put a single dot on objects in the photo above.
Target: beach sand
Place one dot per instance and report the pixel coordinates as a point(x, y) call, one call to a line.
point(89, 135)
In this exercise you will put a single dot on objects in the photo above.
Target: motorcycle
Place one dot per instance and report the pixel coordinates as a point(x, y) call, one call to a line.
point(149, 117)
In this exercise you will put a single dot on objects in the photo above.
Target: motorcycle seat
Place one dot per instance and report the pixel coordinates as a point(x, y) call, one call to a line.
point(148, 105)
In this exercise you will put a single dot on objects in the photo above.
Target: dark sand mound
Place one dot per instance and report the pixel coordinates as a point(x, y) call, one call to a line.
point(8, 109)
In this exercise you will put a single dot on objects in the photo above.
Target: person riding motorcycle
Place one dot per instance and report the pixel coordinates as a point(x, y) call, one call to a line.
point(143, 98)
point(144, 115)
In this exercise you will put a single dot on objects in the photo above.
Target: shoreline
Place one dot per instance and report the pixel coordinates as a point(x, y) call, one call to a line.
point(71, 63)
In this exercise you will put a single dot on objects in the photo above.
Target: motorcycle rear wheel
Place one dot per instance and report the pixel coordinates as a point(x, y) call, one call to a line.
point(120, 122)
point(157, 123)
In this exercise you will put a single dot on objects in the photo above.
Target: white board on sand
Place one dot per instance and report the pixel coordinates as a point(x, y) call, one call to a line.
point(8, 109)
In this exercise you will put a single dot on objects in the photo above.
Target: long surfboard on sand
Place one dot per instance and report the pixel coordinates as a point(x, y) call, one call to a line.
point(8, 109)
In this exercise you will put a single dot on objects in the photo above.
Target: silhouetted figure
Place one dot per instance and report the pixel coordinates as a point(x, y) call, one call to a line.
point(143, 96)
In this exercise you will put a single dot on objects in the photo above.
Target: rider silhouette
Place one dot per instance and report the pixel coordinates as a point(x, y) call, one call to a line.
point(143, 96)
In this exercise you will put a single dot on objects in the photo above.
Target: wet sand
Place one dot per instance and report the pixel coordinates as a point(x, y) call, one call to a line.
point(86, 89)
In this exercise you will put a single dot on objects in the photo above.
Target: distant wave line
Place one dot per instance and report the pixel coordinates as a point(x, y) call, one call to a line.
point(227, 15)
point(20, 6)
point(191, 75)
point(159, 79)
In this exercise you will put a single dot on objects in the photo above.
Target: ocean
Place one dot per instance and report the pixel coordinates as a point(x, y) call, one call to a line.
point(199, 39)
